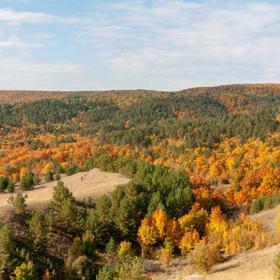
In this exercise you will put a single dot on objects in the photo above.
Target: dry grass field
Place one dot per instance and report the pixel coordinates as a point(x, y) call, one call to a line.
point(93, 183)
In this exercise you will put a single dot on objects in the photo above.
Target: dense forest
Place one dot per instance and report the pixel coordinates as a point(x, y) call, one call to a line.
point(133, 118)
point(200, 160)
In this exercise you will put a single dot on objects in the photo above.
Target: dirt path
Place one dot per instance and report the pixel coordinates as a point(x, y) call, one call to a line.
point(93, 183)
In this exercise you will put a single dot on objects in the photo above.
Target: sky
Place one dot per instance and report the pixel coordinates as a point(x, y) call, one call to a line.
point(132, 44)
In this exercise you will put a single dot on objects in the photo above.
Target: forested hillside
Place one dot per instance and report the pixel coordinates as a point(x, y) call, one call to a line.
point(199, 161)
point(134, 117)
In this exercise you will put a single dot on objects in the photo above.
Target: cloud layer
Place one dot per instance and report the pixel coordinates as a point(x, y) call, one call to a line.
point(157, 44)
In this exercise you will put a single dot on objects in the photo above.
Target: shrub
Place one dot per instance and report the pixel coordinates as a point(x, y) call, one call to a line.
point(57, 177)
point(25, 271)
point(132, 269)
point(256, 206)
point(4, 182)
point(165, 254)
point(71, 169)
point(7, 248)
point(27, 181)
point(111, 247)
point(188, 241)
point(125, 249)
point(49, 176)
point(128, 269)
point(83, 268)
point(11, 187)
point(107, 273)
point(38, 230)
point(243, 234)
point(204, 256)
point(264, 202)
point(18, 203)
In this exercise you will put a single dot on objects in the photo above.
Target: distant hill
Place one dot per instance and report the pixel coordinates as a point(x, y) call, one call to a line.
point(200, 116)
point(19, 96)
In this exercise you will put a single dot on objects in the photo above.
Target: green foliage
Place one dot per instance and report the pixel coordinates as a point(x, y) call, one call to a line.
point(25, 271)
point(107, 273)
point(4, 183)
point(264, 202)
point(11, 186)
point(7, 249)
point(64, 211)
point(82, 253)
point(179, 201)
point(130, 268)
point(128, 216)
point(28, 181)
point(155, 203)
point(49, 176)
point(60, 194)
point(83, 268)
point(200, 119)
point(111, 247)
point(71, 169)
point(18, 203)
point(38, 231)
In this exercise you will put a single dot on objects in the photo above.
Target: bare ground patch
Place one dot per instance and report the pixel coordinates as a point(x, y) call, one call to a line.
point(93, 183)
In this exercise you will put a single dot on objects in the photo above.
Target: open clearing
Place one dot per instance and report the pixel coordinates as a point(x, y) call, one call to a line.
point(93, 183)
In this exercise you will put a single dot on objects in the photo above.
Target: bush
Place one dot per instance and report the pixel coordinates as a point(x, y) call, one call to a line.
point(49, 176)
point(18, 203)
point(27, 181)
point(83, 268)
point(125, 249)
point(71, 169)
point(256, 206)
point(38, 230)
point(264, 202)
point(205, 256)
point(7, 248)
point(128, 269)
point(132, 269)
point(107, 273)
point(25, 271)
point(165, 254)
point(4, 182)
point(11, 187)
point(188, 241)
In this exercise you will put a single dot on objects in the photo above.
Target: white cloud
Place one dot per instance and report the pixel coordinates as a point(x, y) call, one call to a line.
point(23, 74)
point(13, 17)
point(160, 44)
point(172, 44)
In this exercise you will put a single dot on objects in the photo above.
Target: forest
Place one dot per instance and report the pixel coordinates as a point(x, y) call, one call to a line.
point(200, 162)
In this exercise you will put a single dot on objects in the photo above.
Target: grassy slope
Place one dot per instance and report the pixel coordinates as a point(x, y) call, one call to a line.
point(251, 265)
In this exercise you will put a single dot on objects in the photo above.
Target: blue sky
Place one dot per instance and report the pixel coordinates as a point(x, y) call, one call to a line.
point(130, 44)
